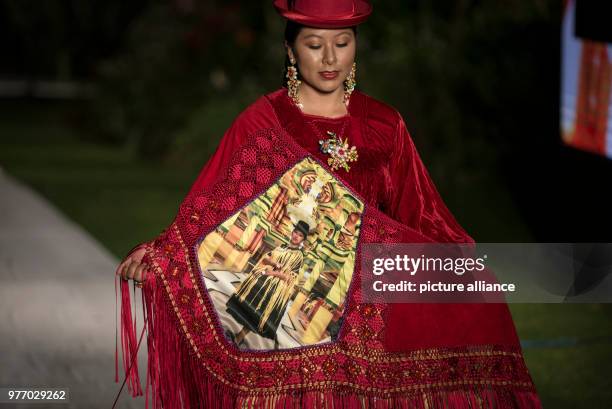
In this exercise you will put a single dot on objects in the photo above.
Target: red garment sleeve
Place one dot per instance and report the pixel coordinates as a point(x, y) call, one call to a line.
point(414, 199)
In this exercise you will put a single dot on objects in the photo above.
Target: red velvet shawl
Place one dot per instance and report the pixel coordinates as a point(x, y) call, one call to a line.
point(385, 355)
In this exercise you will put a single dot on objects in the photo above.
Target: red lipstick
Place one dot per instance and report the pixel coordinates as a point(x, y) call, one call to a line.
point(328, 75)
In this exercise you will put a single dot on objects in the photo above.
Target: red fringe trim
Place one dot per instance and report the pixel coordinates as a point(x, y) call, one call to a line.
point(128, 342)
point(176, 379)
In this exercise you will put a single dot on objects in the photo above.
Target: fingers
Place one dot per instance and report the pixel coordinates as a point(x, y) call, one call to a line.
point(122, 265)
point(140, 272)
point(131, 269)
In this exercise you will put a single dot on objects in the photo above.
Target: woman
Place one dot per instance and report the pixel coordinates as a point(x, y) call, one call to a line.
point(395, 355)
point(260, 301)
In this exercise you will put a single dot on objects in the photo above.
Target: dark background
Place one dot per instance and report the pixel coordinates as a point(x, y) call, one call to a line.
point(478, 84)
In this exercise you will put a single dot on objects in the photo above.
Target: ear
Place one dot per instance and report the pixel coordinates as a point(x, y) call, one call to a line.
point(290, 52)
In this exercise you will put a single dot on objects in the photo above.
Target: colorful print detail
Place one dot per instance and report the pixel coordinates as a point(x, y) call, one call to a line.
point(339, 151)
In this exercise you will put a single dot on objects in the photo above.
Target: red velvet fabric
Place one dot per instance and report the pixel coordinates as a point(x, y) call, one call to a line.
point(390, 175)
point(389, 172)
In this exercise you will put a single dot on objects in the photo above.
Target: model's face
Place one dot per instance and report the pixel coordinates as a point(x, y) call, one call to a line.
point(296, 237)
point(319, 51)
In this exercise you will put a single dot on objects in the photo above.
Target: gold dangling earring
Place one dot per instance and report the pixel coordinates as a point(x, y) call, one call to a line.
point(349, 83)
point(293, 84)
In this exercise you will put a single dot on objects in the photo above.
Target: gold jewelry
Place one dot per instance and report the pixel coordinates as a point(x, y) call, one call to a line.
point(349, 83)
point(338, 150)
point(139, 284)
point(293, 83)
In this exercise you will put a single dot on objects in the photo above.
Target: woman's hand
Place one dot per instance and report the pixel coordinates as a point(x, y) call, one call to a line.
point(278, 273)
point(132, 268)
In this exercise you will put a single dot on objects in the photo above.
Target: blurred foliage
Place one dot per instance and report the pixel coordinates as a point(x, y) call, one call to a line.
point(176, 66)
point(61, 39)
point(462, 74)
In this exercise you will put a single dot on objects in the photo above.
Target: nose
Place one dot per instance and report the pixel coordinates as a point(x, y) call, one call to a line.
point(329, 55)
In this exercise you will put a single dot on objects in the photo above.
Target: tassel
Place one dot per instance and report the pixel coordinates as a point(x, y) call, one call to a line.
point(128, 341)
point(128, 333)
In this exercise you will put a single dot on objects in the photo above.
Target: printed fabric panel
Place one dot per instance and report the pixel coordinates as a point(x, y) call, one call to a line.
point(279, 269)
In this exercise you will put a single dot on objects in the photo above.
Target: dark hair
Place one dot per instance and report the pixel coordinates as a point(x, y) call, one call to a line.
point(292, 29)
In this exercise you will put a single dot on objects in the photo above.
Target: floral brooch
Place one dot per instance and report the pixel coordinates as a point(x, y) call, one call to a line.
point(339, 151)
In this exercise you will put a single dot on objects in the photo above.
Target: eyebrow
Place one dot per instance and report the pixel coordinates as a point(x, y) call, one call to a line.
point(316, 35)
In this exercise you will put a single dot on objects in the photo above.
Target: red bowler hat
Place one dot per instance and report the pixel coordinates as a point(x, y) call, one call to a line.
point(325, 13)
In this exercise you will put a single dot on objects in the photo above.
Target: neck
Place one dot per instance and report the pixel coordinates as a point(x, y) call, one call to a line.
point(328, 104)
